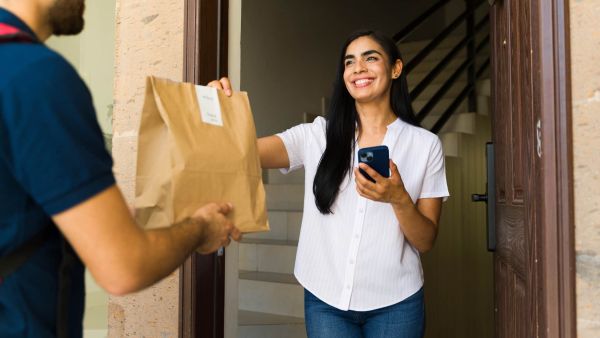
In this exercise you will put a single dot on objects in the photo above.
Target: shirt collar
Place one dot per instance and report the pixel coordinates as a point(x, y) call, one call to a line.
point(11, 19)
point(397, 126)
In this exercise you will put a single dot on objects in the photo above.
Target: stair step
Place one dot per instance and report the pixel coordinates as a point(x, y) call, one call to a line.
point(285, 197)
point(267, 255)
point(285, 225)
point(272, 331)
point(415, 77)
point(432, 89)
point(450, 143)
point(264, 241)
point(258, 318)
point(275, 176)
point(272, 277)
point(438, 109)
point(265, 294)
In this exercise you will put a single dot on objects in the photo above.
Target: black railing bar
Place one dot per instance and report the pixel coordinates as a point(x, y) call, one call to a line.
point(445, 61)
point(482, 44)
point(484, 65)
point(403, 34)
point(456, 103)
point(437, 97)
point(439, 38)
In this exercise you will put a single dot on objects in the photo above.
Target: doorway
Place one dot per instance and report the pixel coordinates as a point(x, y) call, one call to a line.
point(459, 278)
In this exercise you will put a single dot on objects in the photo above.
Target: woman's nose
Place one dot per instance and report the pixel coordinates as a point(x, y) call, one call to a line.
point(360, 67)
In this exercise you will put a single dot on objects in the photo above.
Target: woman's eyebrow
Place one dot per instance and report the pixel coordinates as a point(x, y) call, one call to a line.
point(369, 52)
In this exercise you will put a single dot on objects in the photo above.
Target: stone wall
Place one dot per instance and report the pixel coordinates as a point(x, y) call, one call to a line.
point(149, 37)
point(585, 75)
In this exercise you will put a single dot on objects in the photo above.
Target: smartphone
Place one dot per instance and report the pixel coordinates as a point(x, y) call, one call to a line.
point(377, 158)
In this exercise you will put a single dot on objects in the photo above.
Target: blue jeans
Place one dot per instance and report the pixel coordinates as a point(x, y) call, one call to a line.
point(402, 320)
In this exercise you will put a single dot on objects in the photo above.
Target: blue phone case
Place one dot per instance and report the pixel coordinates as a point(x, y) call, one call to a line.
point(377, 158)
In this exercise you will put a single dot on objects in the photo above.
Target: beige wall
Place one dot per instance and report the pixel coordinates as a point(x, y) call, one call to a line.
point(149, 37)
point(585, 75)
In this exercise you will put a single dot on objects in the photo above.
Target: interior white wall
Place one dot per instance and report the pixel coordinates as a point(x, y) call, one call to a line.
point(289, 50)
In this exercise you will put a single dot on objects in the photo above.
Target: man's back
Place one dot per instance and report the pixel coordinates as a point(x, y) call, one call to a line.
point(51, 158)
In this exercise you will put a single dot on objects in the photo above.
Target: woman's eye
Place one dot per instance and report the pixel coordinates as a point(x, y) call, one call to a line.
point(371, 58)
point(348, 63)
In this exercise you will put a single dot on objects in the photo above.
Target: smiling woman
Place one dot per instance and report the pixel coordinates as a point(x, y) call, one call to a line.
point(358, 251)
point(374, 61)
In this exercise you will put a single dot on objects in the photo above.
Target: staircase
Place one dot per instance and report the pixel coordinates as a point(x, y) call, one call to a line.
point(270, 298)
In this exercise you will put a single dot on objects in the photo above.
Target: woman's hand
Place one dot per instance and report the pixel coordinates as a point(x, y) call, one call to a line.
point(389, 190)
point(419, 221)
point(223, 84)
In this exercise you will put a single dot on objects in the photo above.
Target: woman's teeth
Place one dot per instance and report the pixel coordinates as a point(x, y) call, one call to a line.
point(363, 82)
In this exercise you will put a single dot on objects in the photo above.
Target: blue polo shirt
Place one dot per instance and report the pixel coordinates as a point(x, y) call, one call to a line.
point(52, 157)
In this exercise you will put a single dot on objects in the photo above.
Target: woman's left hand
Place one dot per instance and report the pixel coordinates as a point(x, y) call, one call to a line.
point(389, 190)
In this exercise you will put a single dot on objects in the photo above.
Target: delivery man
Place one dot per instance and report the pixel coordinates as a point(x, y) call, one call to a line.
point(59, 205)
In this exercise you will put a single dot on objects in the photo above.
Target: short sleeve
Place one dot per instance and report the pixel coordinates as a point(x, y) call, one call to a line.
point(434, 183)
point(294, 141)
point(297, 140)
point(56, 148)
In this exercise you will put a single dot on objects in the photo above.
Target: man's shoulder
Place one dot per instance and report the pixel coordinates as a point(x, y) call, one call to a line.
point(35, 64)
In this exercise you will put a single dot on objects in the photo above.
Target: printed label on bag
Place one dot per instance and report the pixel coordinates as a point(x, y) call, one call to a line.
point(210, 110)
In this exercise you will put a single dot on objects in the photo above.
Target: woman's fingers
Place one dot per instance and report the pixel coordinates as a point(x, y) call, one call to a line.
point(224, 84)
point(372, 172)
point(360, 178)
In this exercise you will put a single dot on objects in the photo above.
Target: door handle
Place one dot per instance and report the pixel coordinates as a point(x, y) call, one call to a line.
point(489, 197)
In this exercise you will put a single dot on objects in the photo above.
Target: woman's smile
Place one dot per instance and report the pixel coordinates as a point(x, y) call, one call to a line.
point(362, 83)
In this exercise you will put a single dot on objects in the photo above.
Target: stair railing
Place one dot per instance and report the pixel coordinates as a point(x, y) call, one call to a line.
point(467, 17)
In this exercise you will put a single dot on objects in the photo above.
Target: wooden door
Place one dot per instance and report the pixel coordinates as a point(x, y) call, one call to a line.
point(513, 137)
point(533, 262)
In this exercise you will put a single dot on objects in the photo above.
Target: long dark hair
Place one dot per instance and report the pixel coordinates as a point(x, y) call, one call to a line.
point(342, 119)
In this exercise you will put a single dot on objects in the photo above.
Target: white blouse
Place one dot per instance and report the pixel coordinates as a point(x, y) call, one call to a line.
point(357, 258)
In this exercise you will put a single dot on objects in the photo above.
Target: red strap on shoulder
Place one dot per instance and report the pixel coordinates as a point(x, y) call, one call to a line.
point(9, 33)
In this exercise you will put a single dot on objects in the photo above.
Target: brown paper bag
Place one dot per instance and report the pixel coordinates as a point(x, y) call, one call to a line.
point(184, 162)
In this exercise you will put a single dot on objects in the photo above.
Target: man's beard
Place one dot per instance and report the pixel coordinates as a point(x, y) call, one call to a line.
point(66, 17)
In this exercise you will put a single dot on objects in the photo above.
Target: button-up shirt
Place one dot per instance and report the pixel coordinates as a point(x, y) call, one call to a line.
point(358, 258)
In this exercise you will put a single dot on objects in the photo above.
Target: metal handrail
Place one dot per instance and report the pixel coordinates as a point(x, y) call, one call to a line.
point(449, 83)
point(458, 100)
point(472, 29)
point(445, 61)
point(405, 32)
point(438, 39)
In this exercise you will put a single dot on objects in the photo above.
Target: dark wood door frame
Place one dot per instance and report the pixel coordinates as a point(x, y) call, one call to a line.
point(556, 252)
point(202, 277)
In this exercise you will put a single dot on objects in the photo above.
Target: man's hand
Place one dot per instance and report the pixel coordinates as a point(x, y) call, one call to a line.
point(217, 229)
point(124, 258)
point(223, 84)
